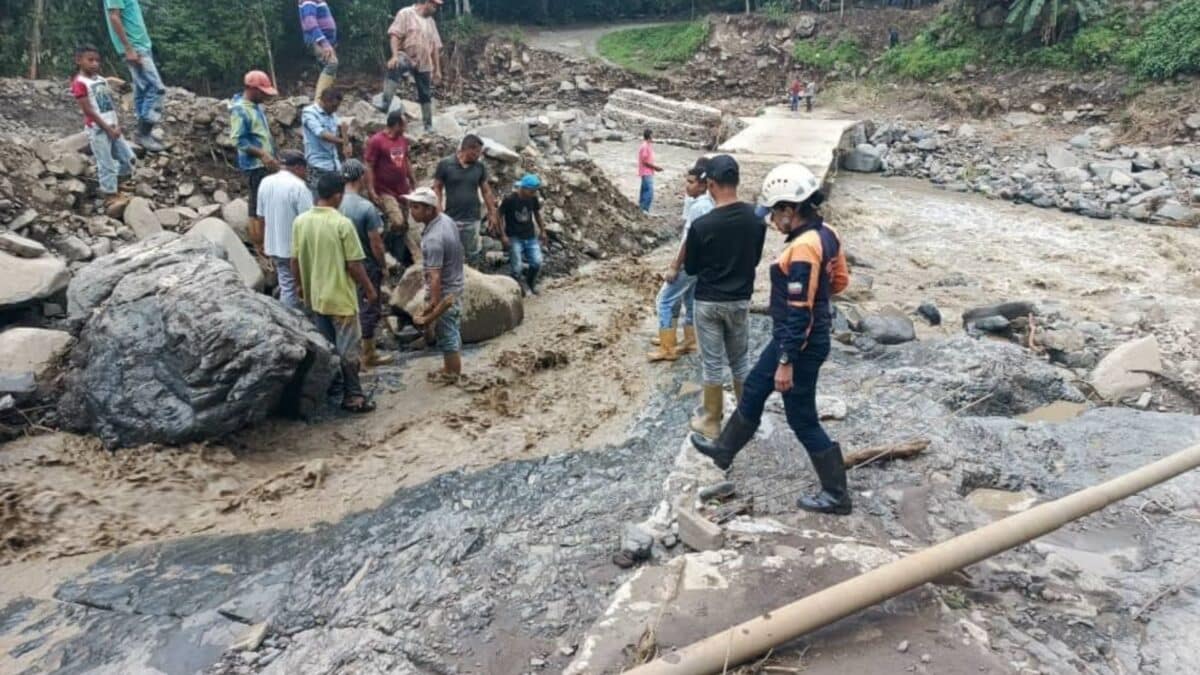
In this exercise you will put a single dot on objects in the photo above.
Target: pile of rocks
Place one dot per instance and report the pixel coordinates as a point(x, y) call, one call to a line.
point(676, 122)
point(1091, 174)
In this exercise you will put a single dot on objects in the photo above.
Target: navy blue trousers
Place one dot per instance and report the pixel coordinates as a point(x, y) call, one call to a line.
point(799, 404)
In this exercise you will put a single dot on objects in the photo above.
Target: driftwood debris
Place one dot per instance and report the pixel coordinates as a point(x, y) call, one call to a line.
point(886, 453)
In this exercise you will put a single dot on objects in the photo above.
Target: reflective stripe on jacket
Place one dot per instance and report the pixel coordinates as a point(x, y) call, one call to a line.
point(809, 272)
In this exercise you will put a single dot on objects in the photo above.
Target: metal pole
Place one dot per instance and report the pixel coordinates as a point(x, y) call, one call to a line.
point(755, 637)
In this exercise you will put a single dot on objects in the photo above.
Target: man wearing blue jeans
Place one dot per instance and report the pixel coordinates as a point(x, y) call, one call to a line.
point(127, 29)
point(524, 231)
point(678, 293)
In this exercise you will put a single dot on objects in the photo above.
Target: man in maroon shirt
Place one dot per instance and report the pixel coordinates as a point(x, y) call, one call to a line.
point(390, 178)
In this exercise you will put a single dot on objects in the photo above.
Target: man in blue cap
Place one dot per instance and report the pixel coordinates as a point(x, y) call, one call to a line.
point(524, 232)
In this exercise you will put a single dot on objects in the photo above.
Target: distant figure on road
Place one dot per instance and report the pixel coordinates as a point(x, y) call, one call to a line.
point(320, 35)
point(795, 91)
point(893, 37)
point(416, 49)
point(646, 170)
point(458, 182)
point(127, 29)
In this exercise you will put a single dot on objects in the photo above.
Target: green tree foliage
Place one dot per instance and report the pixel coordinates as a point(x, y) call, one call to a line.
point(1169, 44)
point(1053, 19)
point(648, 49)
point(828, 55)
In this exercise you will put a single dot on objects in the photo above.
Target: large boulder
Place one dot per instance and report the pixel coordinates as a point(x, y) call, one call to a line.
point(864, 158)
point(1126, 370)
point(23, 280)
point(492, 304)
point(173, 347)
point(889, 327)
point(27, 357)
point(513, 134)
point(218, 232)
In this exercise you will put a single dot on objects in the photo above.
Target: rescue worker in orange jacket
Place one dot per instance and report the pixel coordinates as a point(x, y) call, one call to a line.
point(809, 272)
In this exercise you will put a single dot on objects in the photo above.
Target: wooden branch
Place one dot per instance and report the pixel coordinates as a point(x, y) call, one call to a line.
point(904, 450)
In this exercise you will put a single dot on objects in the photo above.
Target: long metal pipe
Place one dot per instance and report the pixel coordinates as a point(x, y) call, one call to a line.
point(756, 636)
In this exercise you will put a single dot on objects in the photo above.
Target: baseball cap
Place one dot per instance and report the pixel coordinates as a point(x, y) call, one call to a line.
point(257, 79)
point(353, 169)
point(422, 196)
point(530, 182)
point(722, 169)
point(292, 158)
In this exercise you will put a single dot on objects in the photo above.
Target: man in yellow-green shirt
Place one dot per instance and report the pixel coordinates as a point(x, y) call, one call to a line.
point(326, 263)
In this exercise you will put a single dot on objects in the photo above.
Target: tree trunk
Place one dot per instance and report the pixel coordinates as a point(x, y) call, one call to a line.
point(466, 7)
point(545, 10)
point(262, 16)
point(35, 38)
point(747, 6)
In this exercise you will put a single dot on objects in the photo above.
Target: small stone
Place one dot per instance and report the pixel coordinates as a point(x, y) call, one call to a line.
point(636, 542)
point(1193, 121)
point(698, 532)
point(1038, 108)
point(991, 324)
point(925, 658)
point(902, 647)
point(21, 246)
point(1143, 402)
point(930, 313)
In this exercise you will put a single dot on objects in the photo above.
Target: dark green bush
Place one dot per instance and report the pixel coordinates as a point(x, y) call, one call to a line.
point(1169, 43)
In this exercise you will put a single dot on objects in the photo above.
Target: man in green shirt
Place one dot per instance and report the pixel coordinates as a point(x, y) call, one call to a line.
point(327, 260)
point(127, 29)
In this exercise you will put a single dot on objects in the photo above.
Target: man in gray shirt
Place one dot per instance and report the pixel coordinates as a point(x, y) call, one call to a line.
point(458, 183)
point(368, 223)
point(445, 275)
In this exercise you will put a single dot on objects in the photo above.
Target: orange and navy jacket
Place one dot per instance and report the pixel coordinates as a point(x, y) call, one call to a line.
point(810, 271)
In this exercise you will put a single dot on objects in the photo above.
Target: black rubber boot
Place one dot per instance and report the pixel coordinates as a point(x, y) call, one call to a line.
point(834, 497)
point(531, 276)
point(736, 434)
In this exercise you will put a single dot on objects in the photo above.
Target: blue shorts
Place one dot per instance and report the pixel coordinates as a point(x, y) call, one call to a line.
point(448, 329)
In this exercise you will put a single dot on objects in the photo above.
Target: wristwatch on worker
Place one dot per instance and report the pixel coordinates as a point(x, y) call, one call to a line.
point(784, 359)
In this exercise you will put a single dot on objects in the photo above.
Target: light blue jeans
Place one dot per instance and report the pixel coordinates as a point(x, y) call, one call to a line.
point(723, 331)
point(288, 293)
point(148, 89)
point(676, 298)
point(113, 159)
point(646, 197)
point(521, 251)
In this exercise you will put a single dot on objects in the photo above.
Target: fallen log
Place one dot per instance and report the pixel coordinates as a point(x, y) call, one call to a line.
point(882, 453)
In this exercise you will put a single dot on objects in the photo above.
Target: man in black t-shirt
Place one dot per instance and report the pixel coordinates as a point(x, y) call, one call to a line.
point(722, 251)
point(459, 181)
point(524, 231)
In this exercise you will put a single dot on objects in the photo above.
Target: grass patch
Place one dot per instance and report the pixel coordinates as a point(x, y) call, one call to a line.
point(646, 50)
point(825, 55)
point(922, 59)
point(1169, 43)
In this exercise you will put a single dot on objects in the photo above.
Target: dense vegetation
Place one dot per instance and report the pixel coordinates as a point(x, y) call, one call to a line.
point(1161, 46)
point(657, 47)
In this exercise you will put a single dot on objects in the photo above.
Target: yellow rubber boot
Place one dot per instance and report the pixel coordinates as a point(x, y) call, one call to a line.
point(708, 424)
point(666, 347)
point(323, 82)
point(689, 346)
point(656, 340)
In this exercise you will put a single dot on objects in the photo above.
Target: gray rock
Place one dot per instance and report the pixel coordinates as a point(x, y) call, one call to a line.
point(1061, 157)
point(636, 542)
point(1152, 197)
point(236, 214)
point(928, 144)
point(499, 151)
point(23, 280)
point(30, 354)
point(512, 134)
point(1008, 310)
point(1020, 119)
point(1192, 121)
point(218, 232)
point(889, 327)
point(1082, 141)
point(173, 347)
point(1104, 170)
point(74, 249)
point(1175, 212)
point(930, 313)
point(140, 218)
point(20, 246)
point(1120, 179)
point(492, 304)
point(863, 159)
point(1071, 175)
point(1123, 371)
point(990, 324)
point(1150, 180)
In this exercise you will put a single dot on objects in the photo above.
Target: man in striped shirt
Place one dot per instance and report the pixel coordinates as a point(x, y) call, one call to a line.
point(320, 35)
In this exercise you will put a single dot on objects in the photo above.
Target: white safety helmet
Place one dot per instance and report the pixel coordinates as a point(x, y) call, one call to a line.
point(792, 183)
